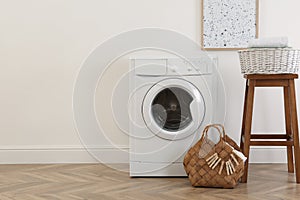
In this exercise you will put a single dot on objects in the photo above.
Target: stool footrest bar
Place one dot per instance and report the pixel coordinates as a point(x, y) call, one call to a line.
point(269, 136)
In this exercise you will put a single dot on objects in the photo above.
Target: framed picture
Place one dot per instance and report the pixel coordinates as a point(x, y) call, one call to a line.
point(228, 25)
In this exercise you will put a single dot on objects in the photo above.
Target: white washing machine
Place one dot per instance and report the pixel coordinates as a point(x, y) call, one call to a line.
point(171, 101)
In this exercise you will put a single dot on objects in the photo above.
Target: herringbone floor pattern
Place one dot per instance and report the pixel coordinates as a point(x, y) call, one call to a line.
point(96, 181)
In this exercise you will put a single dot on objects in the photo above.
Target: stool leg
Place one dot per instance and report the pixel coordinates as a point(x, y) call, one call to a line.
point(288, 128)
point(295, 129)
point(244, 116)
point(247, 126)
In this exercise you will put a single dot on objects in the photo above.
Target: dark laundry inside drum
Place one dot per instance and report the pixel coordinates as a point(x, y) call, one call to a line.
point(171, 109)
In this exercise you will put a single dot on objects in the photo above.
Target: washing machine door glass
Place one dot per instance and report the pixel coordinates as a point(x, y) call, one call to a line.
point(173, 109)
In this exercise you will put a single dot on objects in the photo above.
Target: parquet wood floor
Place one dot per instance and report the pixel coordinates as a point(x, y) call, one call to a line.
point(96, 181)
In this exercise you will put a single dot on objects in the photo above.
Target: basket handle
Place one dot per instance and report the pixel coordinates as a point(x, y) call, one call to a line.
point(220, 128)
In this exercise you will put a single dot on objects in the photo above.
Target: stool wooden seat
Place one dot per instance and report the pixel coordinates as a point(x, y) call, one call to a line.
point(290, 138)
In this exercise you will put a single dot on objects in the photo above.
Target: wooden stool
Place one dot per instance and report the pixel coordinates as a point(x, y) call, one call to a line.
point(290, 138)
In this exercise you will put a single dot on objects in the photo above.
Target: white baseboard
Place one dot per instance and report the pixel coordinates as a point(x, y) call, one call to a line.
point(61, 154)
point(268, 154)
point(109, 154)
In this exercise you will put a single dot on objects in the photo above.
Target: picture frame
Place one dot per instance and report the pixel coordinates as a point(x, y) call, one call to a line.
point(228, 25)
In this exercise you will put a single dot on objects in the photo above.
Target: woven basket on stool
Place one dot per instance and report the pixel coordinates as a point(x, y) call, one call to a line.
point(198, 169)
point(269, 60)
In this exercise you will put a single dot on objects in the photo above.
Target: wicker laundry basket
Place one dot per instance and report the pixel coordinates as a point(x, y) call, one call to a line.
point(203, 171)
point(269, 60)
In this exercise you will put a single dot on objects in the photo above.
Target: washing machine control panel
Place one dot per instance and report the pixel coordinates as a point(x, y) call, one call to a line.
point(174, 66)
point(189, 67)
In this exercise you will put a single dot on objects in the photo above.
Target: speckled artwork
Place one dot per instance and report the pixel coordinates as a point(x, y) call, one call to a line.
point(228, 23)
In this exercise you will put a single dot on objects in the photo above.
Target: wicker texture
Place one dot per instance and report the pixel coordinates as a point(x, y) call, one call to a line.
point(198, 169)
point(269, 60)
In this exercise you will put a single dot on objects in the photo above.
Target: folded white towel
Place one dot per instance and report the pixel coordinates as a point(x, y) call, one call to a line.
point(240, 154)
point(271, 42)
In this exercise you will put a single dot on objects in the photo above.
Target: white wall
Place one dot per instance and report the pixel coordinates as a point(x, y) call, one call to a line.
point(44, 42)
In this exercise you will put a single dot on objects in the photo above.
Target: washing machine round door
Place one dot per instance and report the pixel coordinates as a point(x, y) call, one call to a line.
point(173, 109)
